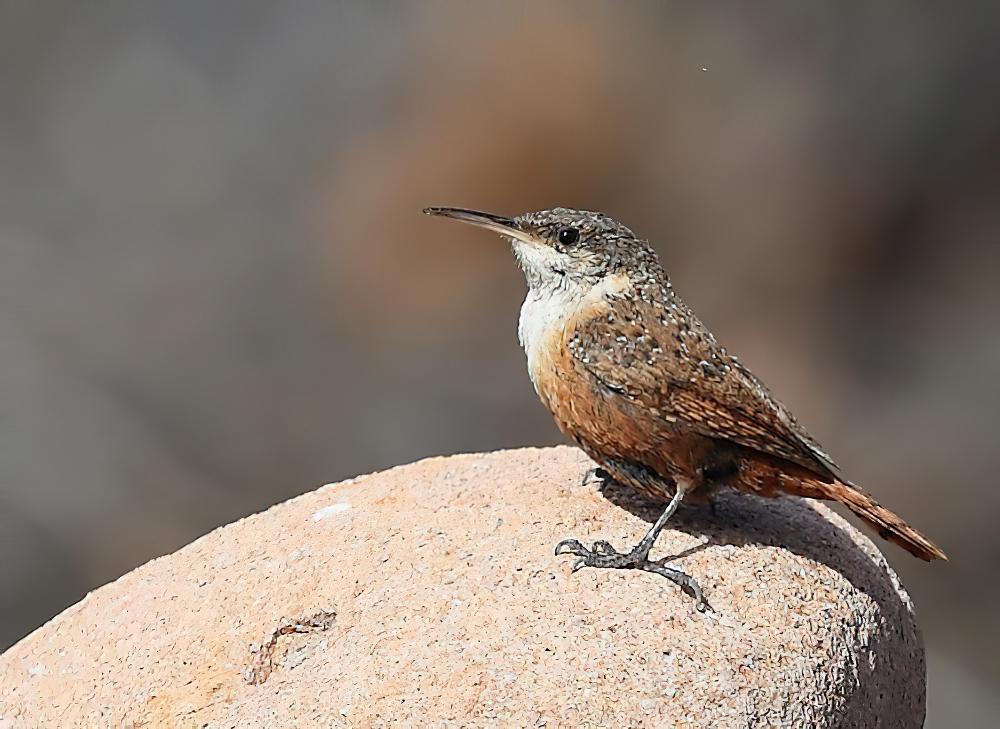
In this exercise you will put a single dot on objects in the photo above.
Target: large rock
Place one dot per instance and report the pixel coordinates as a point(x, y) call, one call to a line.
point(429, 594)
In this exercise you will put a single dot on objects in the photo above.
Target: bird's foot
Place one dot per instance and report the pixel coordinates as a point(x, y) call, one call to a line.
point(603, 556)
point(596, 474)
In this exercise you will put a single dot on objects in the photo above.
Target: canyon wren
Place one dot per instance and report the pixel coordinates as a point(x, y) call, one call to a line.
point(635, 379)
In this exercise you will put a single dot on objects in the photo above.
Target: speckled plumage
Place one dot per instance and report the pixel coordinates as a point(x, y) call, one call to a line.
point(634, 377)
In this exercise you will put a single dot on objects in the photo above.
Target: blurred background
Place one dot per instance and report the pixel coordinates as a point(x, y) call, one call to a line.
point(218, 290)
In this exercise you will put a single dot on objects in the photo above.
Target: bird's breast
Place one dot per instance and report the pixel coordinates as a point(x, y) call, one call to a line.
point(543, 319)
point(546, 317)
point(547, 314)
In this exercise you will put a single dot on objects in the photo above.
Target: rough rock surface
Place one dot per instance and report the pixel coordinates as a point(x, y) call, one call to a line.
point(429, 594)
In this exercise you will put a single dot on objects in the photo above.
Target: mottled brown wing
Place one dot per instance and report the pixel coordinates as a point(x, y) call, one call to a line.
point(665, 360)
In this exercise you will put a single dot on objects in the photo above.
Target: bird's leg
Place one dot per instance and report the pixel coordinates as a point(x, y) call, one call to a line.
point(603, 555)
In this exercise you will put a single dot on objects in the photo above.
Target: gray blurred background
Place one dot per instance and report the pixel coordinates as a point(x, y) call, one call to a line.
point(218, 290)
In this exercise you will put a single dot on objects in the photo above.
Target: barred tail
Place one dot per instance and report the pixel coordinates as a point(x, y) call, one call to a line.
point(888, 525)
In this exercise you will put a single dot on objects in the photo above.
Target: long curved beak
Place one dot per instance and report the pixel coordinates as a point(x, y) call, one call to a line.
point(497, 223)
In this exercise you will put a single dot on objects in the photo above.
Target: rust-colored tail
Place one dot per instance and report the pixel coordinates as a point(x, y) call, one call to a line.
point(886, 523)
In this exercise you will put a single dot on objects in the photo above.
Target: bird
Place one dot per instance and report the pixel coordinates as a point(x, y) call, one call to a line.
point(642, 386)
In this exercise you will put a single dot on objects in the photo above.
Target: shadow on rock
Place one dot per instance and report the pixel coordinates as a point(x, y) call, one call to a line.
point(785, 522)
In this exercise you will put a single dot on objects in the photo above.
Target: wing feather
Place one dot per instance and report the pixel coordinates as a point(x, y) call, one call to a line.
point(680, 374)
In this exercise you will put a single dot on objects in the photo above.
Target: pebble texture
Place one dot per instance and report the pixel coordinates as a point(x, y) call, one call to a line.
point(429, 594)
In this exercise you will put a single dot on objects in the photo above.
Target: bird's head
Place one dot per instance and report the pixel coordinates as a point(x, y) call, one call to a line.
point(563, 248)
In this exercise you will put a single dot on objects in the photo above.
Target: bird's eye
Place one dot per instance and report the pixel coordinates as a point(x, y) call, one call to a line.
point(568, 236)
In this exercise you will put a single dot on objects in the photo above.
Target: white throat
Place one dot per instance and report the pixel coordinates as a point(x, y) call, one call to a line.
point(546, 311)
point(543, 313)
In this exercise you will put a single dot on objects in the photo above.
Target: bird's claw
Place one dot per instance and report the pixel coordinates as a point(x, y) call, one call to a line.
point(603, 547)
point(570, 546)
point(603, 555)
point(595, 474)
point(689, 586)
